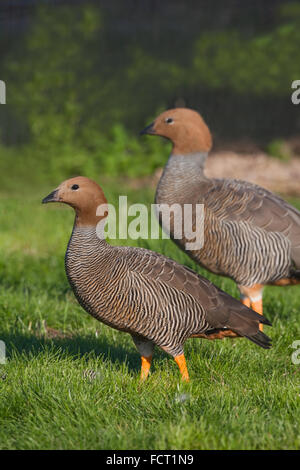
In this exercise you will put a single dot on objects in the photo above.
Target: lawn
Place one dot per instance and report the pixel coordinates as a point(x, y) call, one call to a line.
point(80, 389)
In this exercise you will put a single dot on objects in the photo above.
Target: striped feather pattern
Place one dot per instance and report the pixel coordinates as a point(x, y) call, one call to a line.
point(148, 295)
point(250, 234)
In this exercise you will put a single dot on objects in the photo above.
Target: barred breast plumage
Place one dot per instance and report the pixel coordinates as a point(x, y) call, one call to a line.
point(156, 300)
point(250, 234)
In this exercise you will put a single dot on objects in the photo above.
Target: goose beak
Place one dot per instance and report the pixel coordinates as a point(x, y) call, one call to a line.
point(52, 197)
point(149, 129)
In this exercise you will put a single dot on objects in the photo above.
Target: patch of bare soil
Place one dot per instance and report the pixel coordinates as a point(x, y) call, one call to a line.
point(259, 168)
point(271, 173)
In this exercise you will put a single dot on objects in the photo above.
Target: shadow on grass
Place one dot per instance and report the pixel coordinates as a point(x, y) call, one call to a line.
point(74, 347)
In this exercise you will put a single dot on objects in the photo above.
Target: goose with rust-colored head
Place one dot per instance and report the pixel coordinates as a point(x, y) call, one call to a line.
point(250, 234)
point(153, 298)
point(83, 195)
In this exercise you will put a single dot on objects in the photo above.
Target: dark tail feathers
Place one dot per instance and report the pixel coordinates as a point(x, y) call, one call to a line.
point(260, 339)
point(264, 320)
point(246, 322)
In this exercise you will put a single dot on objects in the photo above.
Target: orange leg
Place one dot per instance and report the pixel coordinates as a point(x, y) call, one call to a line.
point(257, 306)
point(246, 301)
point(146, 364)
point(180, 360)
point(252, 298)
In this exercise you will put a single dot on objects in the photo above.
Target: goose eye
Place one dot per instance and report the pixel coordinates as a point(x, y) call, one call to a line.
point(74, 187)
point(169, 120)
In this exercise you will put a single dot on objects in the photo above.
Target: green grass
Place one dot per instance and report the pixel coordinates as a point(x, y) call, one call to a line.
point(240, 396)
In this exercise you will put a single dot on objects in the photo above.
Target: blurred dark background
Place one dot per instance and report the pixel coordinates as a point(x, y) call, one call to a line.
point(83, 77)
